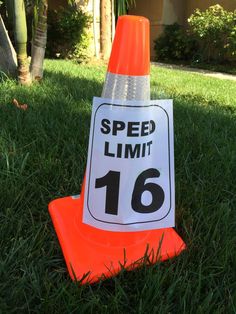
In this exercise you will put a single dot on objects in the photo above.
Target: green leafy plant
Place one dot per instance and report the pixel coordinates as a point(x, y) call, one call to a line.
point(174, 44)
point(67, 33)
point(121, 6)
point(215, 31)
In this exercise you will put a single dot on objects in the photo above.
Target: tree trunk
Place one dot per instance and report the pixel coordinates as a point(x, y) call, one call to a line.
point(106, 26)
point(8, 63)
point(39, 41)
point(20, 31)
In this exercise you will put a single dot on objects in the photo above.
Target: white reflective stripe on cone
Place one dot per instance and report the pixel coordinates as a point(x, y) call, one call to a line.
point(126, 87)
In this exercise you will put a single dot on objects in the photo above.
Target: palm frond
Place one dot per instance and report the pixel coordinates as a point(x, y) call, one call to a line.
point(121, 6)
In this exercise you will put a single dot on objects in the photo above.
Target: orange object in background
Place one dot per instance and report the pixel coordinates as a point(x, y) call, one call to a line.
point(99, 253)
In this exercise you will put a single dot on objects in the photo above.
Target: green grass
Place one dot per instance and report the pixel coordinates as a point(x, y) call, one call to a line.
point(43, 156)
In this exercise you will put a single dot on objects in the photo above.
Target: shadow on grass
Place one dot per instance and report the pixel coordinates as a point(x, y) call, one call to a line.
point(54, 130)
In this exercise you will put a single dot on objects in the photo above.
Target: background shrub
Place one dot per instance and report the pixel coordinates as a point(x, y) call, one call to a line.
point(174, 44)
point(215, 32)
point(210, 37)
point(67, 33)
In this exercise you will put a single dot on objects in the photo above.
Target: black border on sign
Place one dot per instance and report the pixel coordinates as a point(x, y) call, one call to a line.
point(90, 166)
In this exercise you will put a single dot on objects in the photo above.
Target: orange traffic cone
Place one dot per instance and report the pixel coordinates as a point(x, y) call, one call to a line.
point(96, 252)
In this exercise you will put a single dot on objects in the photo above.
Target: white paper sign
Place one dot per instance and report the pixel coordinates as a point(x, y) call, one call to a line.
point(130, 166)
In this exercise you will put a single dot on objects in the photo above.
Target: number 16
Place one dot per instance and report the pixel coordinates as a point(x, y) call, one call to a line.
point(112, 181)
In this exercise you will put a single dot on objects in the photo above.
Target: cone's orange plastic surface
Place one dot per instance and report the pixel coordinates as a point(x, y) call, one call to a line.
point(130, 53)
point(98, 253)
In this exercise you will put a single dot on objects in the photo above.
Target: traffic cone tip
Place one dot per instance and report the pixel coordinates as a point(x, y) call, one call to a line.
point(130, 53)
